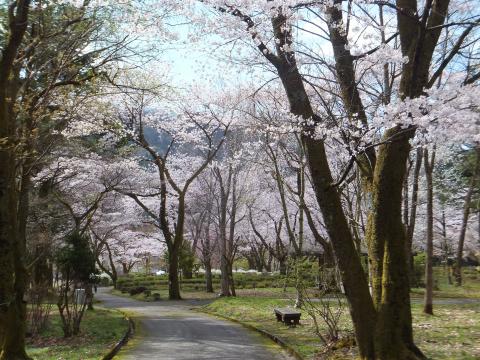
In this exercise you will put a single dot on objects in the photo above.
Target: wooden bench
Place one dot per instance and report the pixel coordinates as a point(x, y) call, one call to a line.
point(288, 316)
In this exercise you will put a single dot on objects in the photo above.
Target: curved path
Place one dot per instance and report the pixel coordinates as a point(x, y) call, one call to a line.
point(170, 330)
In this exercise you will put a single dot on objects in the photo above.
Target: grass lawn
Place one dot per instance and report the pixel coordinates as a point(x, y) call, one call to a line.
point(186, 295)
point(197, 294)
point(101, 329)
point(452, 333)
point(469, 289)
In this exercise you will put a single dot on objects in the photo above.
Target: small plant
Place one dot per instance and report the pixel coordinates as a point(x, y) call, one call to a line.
point(418, 271)
point(76, 264)
point(325, 305)
point(38, 312)
point(138, 290)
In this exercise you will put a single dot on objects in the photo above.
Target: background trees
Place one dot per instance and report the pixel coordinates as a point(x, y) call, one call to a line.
point(326, 146)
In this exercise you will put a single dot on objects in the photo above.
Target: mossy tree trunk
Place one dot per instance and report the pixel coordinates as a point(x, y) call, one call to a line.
point(385, 234)
point(386, 242)
point(383, 325)
point(352, 274)
point(13, 276)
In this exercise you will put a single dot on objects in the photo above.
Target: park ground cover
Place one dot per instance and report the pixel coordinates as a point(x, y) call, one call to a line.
point(452, 333)
point(101, 329)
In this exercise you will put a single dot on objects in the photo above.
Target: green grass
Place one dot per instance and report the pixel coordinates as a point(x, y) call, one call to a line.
point(469, 289)
point(258, 312)
point(100, 330)
point(199, 294)
point(242, 281)
point(186, 295)
point(452, 333)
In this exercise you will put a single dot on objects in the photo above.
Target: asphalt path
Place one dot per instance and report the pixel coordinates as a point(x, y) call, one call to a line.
point(171, 330)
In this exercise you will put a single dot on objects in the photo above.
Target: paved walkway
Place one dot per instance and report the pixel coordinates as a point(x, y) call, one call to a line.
point(170, 330)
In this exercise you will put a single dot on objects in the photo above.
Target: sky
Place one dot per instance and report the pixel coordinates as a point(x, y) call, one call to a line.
point(198, 61)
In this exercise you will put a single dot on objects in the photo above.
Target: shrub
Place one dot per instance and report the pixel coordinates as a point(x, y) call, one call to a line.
point(76, 263)
point(418, 270)
point(137, 290)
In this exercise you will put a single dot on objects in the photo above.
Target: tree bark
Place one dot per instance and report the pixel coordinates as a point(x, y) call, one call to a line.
point(174, 252)
point(457, 269)
point(429, 164)
point(383, 326)
point(386, 241)
point(13, 276)
point(208, 277)
point(413, 215)
point(224, 258)
point(173, 278)
point(353, 277)
point(445, 248)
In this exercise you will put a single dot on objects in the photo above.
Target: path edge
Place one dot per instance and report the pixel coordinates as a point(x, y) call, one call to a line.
point(271, 336)
point(124, 340)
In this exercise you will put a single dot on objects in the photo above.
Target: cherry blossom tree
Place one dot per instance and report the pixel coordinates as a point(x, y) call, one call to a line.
point(120, 236)
point(381, 159)
point(190, 135)
point(49, 50)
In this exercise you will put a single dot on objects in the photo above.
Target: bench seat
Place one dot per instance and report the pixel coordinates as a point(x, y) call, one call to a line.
point(288, 316)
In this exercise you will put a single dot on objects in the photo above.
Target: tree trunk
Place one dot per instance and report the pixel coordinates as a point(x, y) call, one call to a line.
point(13, 275)
point(42, 274)
point(386, 242)
point(351, 271)
point(457, 270)
point(445, 249)
point(383, 328)
point(173, 279)
point(225, 283)
point(429, 164)
point(13, 341)
point(413, 216)
point(282, 266)
point(231, 282)
point(15, 338)
point(208, 276)
point(250, 261)
point(268, 264)
point(89, 295)
point(298, 281)
point(353, 277)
